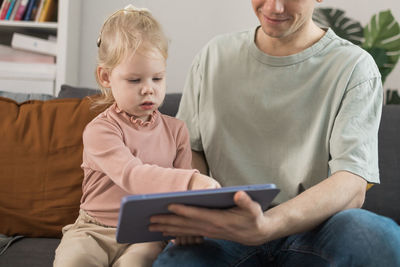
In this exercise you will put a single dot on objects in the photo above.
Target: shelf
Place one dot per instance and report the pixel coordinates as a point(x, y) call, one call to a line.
point(67, 32)
point(29, 25)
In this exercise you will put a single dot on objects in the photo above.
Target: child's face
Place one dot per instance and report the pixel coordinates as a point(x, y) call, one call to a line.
point(138, 83)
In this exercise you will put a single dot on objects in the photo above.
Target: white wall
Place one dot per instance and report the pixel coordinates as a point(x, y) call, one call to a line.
point(191, 23)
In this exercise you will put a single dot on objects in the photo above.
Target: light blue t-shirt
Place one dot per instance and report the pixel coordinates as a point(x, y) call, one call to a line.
point(290, 120)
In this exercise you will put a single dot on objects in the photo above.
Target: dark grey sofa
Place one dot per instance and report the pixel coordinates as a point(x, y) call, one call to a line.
point(383, 199)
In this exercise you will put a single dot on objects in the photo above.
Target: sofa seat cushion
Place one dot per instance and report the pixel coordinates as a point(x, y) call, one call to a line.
point(40, 158)
point(30, 252)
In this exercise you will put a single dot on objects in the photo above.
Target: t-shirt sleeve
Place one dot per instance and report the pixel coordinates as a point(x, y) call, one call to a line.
point(354, 140)
point(105, 151)
point(189, 105)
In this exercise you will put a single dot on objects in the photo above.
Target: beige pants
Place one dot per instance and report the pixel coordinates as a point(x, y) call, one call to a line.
point(88, 243)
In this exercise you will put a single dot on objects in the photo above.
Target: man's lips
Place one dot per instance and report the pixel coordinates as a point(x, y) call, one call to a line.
point(273, 20)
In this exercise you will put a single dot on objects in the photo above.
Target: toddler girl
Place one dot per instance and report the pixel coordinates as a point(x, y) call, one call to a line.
point(130, 148)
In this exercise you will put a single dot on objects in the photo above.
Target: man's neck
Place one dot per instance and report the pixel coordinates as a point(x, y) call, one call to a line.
point(291, 44)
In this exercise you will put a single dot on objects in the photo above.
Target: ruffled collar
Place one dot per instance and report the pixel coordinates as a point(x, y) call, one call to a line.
point(133, 119)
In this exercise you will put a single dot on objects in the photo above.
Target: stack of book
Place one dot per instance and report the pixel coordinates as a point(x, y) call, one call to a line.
point(28, 65)
point(29, 10)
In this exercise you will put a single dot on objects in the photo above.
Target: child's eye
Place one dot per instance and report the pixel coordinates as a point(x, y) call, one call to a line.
point(157, 79)
point(134, 81)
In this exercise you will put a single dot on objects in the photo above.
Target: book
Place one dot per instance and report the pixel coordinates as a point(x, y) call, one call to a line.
point(29, 9)
point(4, 8)
point(49, 11)
point(27, 71)
point(35, 10)
point(35, 44)
point(10, 54)
point(12, 3)
point(23, 71)
point(21, 10)
point(38, 86)
point(52, 38)
point(15, 8)
point(36, 14)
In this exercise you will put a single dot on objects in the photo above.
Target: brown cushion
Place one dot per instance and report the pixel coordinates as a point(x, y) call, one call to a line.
point(40, 158)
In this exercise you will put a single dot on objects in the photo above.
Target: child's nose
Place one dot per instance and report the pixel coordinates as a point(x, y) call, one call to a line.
point(147, 89)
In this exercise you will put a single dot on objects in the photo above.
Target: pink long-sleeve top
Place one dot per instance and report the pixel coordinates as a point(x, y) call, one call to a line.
point(124, 156)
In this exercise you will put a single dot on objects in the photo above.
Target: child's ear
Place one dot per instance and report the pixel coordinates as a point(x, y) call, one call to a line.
point(103, 76)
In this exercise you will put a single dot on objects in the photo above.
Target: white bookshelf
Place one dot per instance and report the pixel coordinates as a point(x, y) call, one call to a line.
point(29, 24)
point(67, 31)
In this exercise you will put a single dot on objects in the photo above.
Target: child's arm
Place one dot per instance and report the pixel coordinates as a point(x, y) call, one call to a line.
point(105, 152)
point(183, 157)
point(184, 160)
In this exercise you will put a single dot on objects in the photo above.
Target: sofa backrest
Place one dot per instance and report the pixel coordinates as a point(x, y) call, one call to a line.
point(384, 198)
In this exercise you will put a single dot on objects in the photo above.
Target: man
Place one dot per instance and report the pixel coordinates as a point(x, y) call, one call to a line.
point(291, 104)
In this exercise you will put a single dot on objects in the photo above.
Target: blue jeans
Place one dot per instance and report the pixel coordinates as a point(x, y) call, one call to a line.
point(353, 237)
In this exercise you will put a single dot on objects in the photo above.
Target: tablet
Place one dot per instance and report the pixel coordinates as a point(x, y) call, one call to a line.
point(136, 210)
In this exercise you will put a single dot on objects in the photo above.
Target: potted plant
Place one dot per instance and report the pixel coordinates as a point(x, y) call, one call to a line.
point(380, 37)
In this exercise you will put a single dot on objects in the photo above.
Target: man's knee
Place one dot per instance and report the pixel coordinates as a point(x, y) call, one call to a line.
point(363, 234)
point(363, 222)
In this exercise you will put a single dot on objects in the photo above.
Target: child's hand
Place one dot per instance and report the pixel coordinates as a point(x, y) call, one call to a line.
point(197, 181)
point(200, 181)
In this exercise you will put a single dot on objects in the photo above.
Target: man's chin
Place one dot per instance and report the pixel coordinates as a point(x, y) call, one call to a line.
point(273, 33)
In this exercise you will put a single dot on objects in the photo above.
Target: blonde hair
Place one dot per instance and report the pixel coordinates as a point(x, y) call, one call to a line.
point(121, 35)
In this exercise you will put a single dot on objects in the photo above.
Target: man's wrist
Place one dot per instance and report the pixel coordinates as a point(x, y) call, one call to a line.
point(275, 224)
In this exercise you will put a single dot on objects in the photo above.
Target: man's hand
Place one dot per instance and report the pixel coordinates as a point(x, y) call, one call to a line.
point(248, 225)
point(244, 224)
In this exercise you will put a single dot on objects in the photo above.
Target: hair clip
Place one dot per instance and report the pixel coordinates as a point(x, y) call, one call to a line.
point(98, 42)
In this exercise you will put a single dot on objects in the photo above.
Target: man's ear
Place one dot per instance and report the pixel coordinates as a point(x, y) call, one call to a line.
point(103, 76)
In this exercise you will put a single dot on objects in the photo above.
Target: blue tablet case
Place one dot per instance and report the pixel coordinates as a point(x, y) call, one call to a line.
point(136, 210)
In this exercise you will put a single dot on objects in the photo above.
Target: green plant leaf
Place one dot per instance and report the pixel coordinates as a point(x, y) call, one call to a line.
point(392, 97)
point(343, 26)
point(383, 34)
